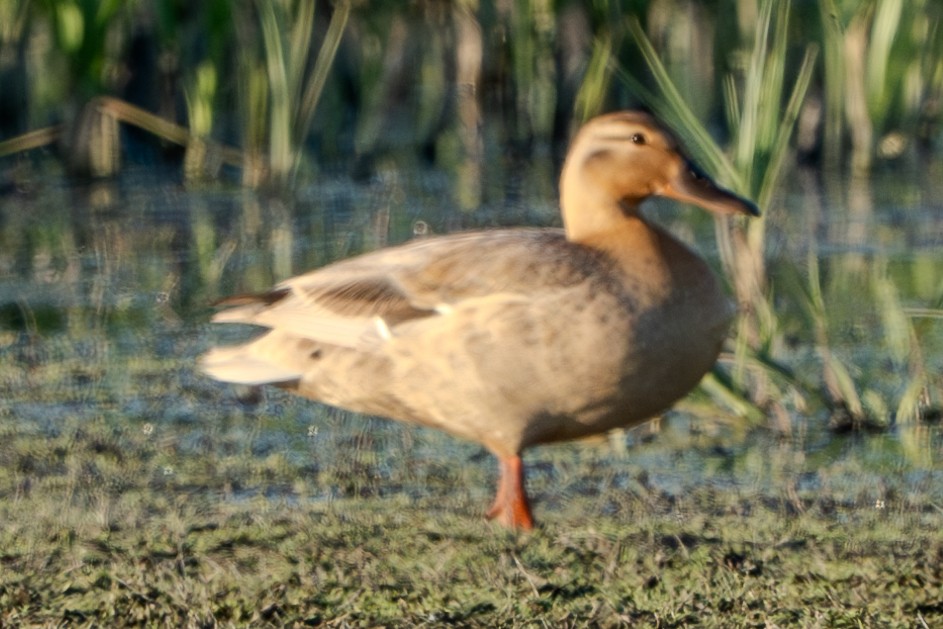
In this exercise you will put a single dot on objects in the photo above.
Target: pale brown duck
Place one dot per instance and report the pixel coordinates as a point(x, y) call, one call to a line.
point(515, 337)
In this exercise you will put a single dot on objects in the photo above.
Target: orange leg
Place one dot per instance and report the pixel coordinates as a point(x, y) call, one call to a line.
point(511, 507)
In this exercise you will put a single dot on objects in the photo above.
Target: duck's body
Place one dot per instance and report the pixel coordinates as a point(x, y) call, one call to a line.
point(511, 338)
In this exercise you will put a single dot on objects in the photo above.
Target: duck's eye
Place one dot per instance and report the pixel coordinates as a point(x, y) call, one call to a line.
point(638, 138)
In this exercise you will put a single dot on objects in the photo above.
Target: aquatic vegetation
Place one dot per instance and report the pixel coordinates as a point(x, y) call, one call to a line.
point(257, 71)
point(283, 97)
point(882, 66)
point(764, 93)
point(762, 112)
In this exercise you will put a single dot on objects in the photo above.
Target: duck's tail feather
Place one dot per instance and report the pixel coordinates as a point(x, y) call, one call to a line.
point(240, 366)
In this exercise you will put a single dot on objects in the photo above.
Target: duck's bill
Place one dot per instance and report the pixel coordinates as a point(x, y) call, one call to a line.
point(692, 186)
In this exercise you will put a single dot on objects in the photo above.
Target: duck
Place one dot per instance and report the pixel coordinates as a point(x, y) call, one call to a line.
point(512, 338)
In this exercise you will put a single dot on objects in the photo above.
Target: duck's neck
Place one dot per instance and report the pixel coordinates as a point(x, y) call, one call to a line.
point(594, 217)
point(587, 218)
point(590, 207)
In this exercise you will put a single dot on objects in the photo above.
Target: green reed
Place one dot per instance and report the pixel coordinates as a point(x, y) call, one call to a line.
point(282, 98)
point(82, 34)
point(883, 63)
point(762, 108)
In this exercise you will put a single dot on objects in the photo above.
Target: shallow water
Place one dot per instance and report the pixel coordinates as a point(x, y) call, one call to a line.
point(105, 294)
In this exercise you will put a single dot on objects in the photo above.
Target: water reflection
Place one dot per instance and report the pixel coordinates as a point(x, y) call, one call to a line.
point(105, 292)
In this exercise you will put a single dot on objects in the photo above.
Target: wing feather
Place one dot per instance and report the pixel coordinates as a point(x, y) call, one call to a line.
point(360, 301)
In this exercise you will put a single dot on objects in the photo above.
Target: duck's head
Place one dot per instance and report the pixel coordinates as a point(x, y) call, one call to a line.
point(618, 160)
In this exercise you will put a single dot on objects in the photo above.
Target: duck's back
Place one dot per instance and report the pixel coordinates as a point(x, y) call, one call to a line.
point(509, 338)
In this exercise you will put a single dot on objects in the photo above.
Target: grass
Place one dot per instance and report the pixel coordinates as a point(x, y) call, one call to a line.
point(124, 524)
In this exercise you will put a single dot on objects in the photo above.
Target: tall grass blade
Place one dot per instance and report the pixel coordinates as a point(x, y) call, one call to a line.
point(596, 80)
point(280, 149)
point(777, 162)
point(896, 324)
point(834, 83)
point(885, 28)
point(837, 379)
point(727, 394)
point(322, 65)
point(669, 105)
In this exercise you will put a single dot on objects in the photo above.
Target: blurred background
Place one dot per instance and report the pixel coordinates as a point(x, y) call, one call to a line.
point(287, 87)
point(155, 156)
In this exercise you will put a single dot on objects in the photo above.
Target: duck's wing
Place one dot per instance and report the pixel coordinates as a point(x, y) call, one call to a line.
point(362, 300)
